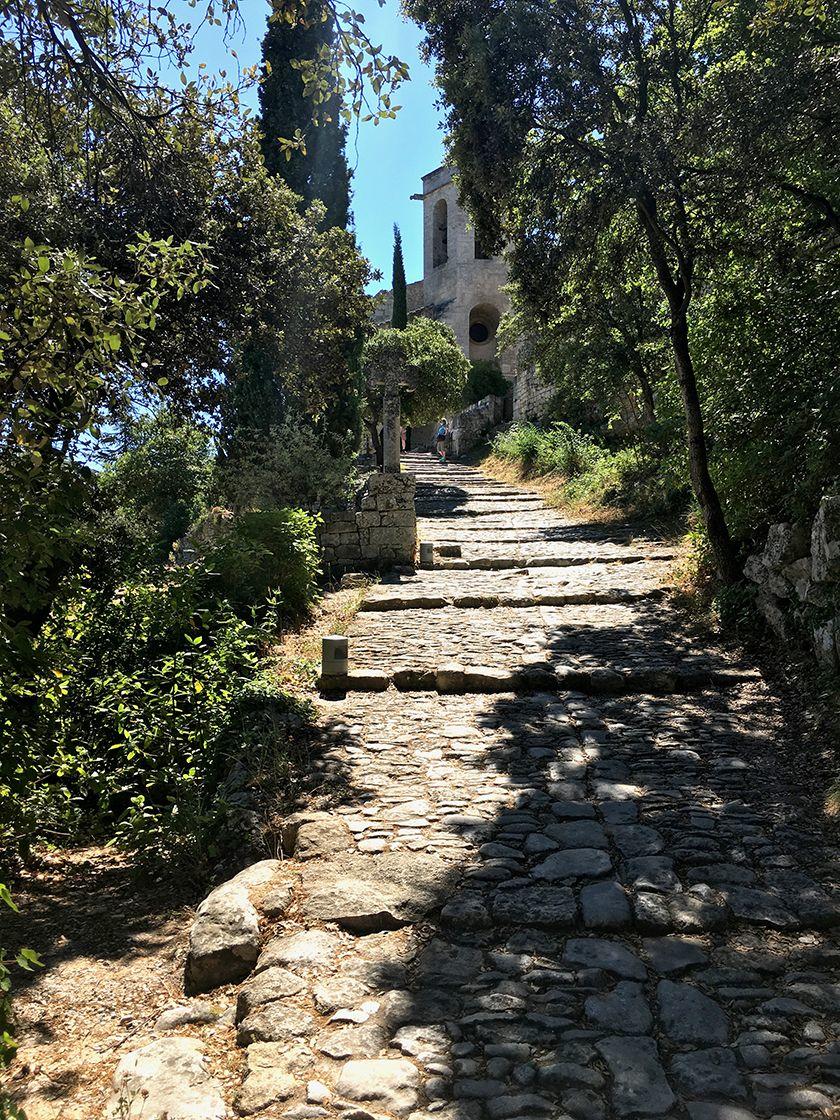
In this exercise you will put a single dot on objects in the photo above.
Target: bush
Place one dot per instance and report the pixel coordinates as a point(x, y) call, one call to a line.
point(559, 449)
point(484, 379)
point(266, 552)
point(131, 725)
point(159, 485)
point(290, 466)
point(631, 480)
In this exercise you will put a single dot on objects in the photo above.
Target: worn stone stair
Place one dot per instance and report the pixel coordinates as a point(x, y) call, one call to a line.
point(559, 867)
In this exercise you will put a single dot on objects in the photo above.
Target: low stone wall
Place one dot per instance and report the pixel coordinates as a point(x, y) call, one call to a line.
point(379, 530)
point(471, 426)
point(798, 579)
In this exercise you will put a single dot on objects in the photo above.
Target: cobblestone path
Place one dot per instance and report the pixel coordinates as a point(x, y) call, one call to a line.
point(567, 878)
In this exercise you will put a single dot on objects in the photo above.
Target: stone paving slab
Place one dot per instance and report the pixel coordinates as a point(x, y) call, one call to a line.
point(625, 636)
point(462, 588)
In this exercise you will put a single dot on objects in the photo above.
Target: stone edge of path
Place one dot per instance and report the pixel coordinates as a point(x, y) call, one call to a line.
point(455, 678)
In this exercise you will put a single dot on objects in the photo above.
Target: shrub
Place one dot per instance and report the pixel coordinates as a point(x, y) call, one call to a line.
point(559, 448)
point(290, 466)
point(269, 551)
point(632, 480)
point(484, 379)
point(131, 726)
point(160, 483)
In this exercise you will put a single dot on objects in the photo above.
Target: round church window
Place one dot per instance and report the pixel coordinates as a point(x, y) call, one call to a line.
point(479, 332)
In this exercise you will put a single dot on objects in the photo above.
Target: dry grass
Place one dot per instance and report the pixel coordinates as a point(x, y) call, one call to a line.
point(294, 663)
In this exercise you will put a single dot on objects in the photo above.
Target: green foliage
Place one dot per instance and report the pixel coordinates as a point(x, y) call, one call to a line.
point(632, 479)
point(269, 552)
point(640, 165)
point(159, 484)
point(425, 355)
point(27, 959)
point(545, 450)
point(399, 313)
point(290, 466)
point(133, 724)
point(484, 379)
point(440, 368)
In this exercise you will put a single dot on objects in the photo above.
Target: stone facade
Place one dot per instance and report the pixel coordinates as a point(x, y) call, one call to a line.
point(798, 579)
point(380, 530)
point(464, 288)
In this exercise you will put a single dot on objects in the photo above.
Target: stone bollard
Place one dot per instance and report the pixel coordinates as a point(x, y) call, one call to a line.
point(427, 554)
point(334, 656)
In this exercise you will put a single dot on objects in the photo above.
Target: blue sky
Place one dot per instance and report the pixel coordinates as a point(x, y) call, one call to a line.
point(389, 159)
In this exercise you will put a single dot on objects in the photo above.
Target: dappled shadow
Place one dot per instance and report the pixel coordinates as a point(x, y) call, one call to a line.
point(641, 886)
point(682, 798)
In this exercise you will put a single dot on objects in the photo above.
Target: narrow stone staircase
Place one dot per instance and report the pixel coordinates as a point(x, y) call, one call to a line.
point(560, 871)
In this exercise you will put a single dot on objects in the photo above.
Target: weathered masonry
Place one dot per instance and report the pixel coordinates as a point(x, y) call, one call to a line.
point(463, 286)
point(377, 531)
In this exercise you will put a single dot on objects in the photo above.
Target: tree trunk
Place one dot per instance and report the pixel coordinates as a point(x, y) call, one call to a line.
point(698, 457)
point(646, 388)
point(677, 290)
point(373, 431)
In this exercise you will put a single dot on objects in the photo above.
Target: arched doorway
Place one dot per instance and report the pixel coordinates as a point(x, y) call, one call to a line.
point(440, 234)
point(484, 323)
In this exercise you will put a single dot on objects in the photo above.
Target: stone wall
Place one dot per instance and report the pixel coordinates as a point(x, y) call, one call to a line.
point(798, 579)
point(531, 396)
point(378, 531)
point(471, 426)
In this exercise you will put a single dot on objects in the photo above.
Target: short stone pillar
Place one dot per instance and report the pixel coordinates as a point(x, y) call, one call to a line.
point(427, 554)
point(334, 655)
point(391, 427)
point(390, 372)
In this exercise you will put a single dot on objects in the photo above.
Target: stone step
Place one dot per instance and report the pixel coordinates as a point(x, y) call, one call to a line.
point(458, 679)
point(502, 563)
point(407, 602)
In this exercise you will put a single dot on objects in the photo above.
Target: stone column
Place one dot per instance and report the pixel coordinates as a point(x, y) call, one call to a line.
point(391, 426)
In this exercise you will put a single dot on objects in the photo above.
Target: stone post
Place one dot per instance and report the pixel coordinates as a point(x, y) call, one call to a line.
point(334, 658)
point(391, 426)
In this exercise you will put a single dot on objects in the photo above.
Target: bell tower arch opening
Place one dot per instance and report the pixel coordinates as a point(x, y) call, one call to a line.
point(440, 233)
point(484, 323)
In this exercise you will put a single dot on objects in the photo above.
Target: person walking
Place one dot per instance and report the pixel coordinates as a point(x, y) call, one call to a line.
point(440, 440)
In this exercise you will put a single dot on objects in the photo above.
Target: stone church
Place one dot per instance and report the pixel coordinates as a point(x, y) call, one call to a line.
point(463, 286)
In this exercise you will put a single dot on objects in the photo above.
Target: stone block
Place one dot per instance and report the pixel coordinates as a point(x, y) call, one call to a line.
point(798, 575)
point(367, 519)
point(825, 541)
point(827, 643)
point(166, 1078)
point(785, 544)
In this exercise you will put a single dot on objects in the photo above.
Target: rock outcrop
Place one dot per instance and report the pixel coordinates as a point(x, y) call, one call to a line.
point(225, 936)
point(798, 579)
point(166, 1080)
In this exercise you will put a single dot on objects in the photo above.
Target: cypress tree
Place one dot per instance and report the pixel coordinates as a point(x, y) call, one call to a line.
point(321, 172)
point(399, 312)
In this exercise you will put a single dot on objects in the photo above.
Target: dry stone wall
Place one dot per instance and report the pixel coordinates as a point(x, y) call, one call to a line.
point(798, 578)
point(378, 531)
point(531, 396)
point(471, 426)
